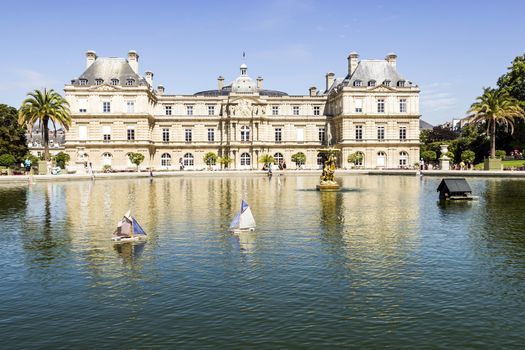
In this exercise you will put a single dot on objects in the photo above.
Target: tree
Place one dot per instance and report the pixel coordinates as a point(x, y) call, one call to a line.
point(451, 156)
point(355, 157)
point(210, 158)
point(42, 108)
point(136, 158)
point(514, 80)
point(501, 154)
point(266, 159)
point(429, 156)
point(12, 135)
point(468, 156)
point(225, 161)
point(7, 160)
point(299, 159)
point(61, 159)
point(495, 107)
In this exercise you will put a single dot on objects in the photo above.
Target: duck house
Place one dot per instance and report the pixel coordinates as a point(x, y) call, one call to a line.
point(454, 189)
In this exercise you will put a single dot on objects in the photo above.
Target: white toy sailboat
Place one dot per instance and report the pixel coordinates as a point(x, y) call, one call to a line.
point(128, 230)
point(243, 221)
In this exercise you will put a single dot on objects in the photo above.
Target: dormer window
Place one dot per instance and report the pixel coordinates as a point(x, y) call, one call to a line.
point(372, 83)
point(386, 83)
point(82, 82)
point(130, 82)
point(358, 83)
point(114, 81)
point(401, 83)
point(99, 81)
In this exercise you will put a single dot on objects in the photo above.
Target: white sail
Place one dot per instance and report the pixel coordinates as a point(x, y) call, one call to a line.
point(246, 221)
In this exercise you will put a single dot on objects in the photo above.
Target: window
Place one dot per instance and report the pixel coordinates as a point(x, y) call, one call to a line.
point(130, 106)
point(380, 105)
point(403, 133)
point(275, 110)
point(245, 133)
point(386, 83)
point(403, 105)
point(82, 132)
point(211, 110)
point(295, 110)
point(165, 159)
point(245, 159)
point(106, 159)
point(106, 107)
point(381, 159)
point(187, 159)
point(189, 110)
point(401, 83)
point(359, 132)
point(278, 135)
point(322, 135)
point(381, 133)
point(82, 82)
point(211, 135)
point(372, 83)
point(187, 135)
point(359, 159)
point(403, 159)
point(114, 81)
point(317, 110)
point(299, 132)
point(165, 135)
point(99, 81)
point(320, 159)
point(358, 105)
point(131, 134)
point(167, 109)
point(130, 82)
point(106, 133)
point(278, 158)
point(82, 105)
point(358, 83)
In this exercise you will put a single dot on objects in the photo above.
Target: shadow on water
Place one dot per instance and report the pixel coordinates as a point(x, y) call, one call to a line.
point(341, 190)
point(129, 252)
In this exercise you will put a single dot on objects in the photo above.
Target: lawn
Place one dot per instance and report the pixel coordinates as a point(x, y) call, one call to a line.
point(506, 164)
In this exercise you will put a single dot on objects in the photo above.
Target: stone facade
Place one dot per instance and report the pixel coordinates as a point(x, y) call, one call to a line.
point(115, 111)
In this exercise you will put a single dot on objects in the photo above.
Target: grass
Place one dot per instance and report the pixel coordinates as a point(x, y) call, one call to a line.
point(506, 164)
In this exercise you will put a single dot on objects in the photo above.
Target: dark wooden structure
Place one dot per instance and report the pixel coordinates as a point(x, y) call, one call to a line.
point(454, 189)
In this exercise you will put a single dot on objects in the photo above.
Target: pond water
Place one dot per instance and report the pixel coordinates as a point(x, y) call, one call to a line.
point(381, 264)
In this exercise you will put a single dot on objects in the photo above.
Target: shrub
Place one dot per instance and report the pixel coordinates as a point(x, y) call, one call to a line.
point(429, 156)
point(468, 156)
point(225, 161)
point(500, 153)
point(136, 158)
point(299, 158)
point(61, 159)
point(7, 160)
point(451, 156)
point(355, 157)
point(210, 158)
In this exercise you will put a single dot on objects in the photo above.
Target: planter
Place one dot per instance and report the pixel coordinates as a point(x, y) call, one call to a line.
point(492, 164)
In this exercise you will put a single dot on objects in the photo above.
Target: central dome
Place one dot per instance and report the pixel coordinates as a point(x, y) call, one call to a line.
point(243, 83)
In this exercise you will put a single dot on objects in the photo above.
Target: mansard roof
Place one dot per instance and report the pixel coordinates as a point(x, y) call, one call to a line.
point(378, 70)
point(108, 68)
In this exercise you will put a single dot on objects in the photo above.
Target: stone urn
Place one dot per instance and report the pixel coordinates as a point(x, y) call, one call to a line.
point(444, 160)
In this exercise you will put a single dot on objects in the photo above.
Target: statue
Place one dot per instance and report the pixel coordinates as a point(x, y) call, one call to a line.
point(328, 182)
point(328, 134)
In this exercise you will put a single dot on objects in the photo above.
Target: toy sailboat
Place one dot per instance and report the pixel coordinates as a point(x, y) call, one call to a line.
point(128, 230)
point(243, 221)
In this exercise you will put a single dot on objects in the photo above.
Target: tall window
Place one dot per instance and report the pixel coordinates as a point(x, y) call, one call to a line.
point(245, 133)
point(359, 159)
point(402, 133)
point(130, 106)
point(211, 135)
point(187, 135)
point(165, 159)
point(381, 105)
point(295, 110)
point(189, 110)
point(165, 135)
point(131, 134)
point(278, 135)
point(358, 105)
point(245, 159)
point(82, 132)
point(381, 133)
point(106, 159)
point(299, 134)
point(317, 110)
point(403, 105)
point(188, 159)
point(82, 105)
point(211, 110)
point(167, 109)
point(320, 159)
point(278, 158)
point(403, 159)
point(106, 107)
point(322, 135)
point(275, 110)
point(359, 132)
point(106, 132)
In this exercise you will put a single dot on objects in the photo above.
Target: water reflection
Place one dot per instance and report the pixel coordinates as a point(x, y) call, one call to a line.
point(129, 252)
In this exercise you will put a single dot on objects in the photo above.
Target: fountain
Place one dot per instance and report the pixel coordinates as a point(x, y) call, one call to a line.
point(328, 183)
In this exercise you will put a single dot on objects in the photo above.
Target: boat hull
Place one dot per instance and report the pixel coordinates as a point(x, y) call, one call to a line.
point(116, 239)
point(242, 230)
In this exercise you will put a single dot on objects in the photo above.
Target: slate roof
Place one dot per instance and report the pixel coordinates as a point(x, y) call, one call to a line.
point(378, 70)
point(228, 89)
point(423, 125)
point(108, 68)
point(454, 185)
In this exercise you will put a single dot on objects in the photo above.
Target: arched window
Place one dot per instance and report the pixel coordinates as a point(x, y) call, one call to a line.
point(386, 83)
point(320, 159)
point(403, 159)
point(381, 159)
point(359, 160)
point(165, 159)
point(188, 159)
point(106, 158)
point(358, 83)
point(246, 160)
point(114, 81)
point(245, 133)
point(278, 158)
point(372, 83)
point(401, 83)
point(99, 81)
point(128, 161)
point(130, 82)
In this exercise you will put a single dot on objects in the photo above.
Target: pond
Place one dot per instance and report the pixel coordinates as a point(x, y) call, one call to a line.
point(379, 264)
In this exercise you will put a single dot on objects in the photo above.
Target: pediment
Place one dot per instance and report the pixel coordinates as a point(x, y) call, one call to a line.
point(382, 88)
point(246, 106)
point(104, 87)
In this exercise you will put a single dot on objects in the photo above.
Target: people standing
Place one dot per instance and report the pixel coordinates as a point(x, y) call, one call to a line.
point(27, 165)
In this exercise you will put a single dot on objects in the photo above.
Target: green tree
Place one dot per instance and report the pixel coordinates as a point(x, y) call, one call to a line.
point(12, 135)
point(42, 108)
point(225, 161)
point(468, 156)
point(299, 159)
point(136, 158)
point(429, 156)
point(355, 157)
point(514, 80)
point(501, 154)
point(7, 160)
point(451, 156)
point(495, 107)
point(266, 159)
point(210, 158)
point(61, 159)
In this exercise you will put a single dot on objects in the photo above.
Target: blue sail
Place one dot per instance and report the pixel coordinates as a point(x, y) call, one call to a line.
point(137, 229)
point(244, 206)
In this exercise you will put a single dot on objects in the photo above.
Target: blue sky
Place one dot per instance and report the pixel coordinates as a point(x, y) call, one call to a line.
point(451, 49)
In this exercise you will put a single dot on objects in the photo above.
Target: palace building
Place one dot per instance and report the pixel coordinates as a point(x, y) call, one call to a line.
point(373, 112)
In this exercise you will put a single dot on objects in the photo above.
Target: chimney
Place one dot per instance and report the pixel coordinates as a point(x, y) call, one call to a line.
point(91, 56)
point(353, 61)
point(391, 58)
point(160, 90)
point(133, 60)
point(329, 80)
point(259, 83)
point(220, 82)
point(149, 77)
point(313, 91)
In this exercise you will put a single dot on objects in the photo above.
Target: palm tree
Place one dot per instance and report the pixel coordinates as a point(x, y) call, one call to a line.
point(43, 107)
point(496, 107)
